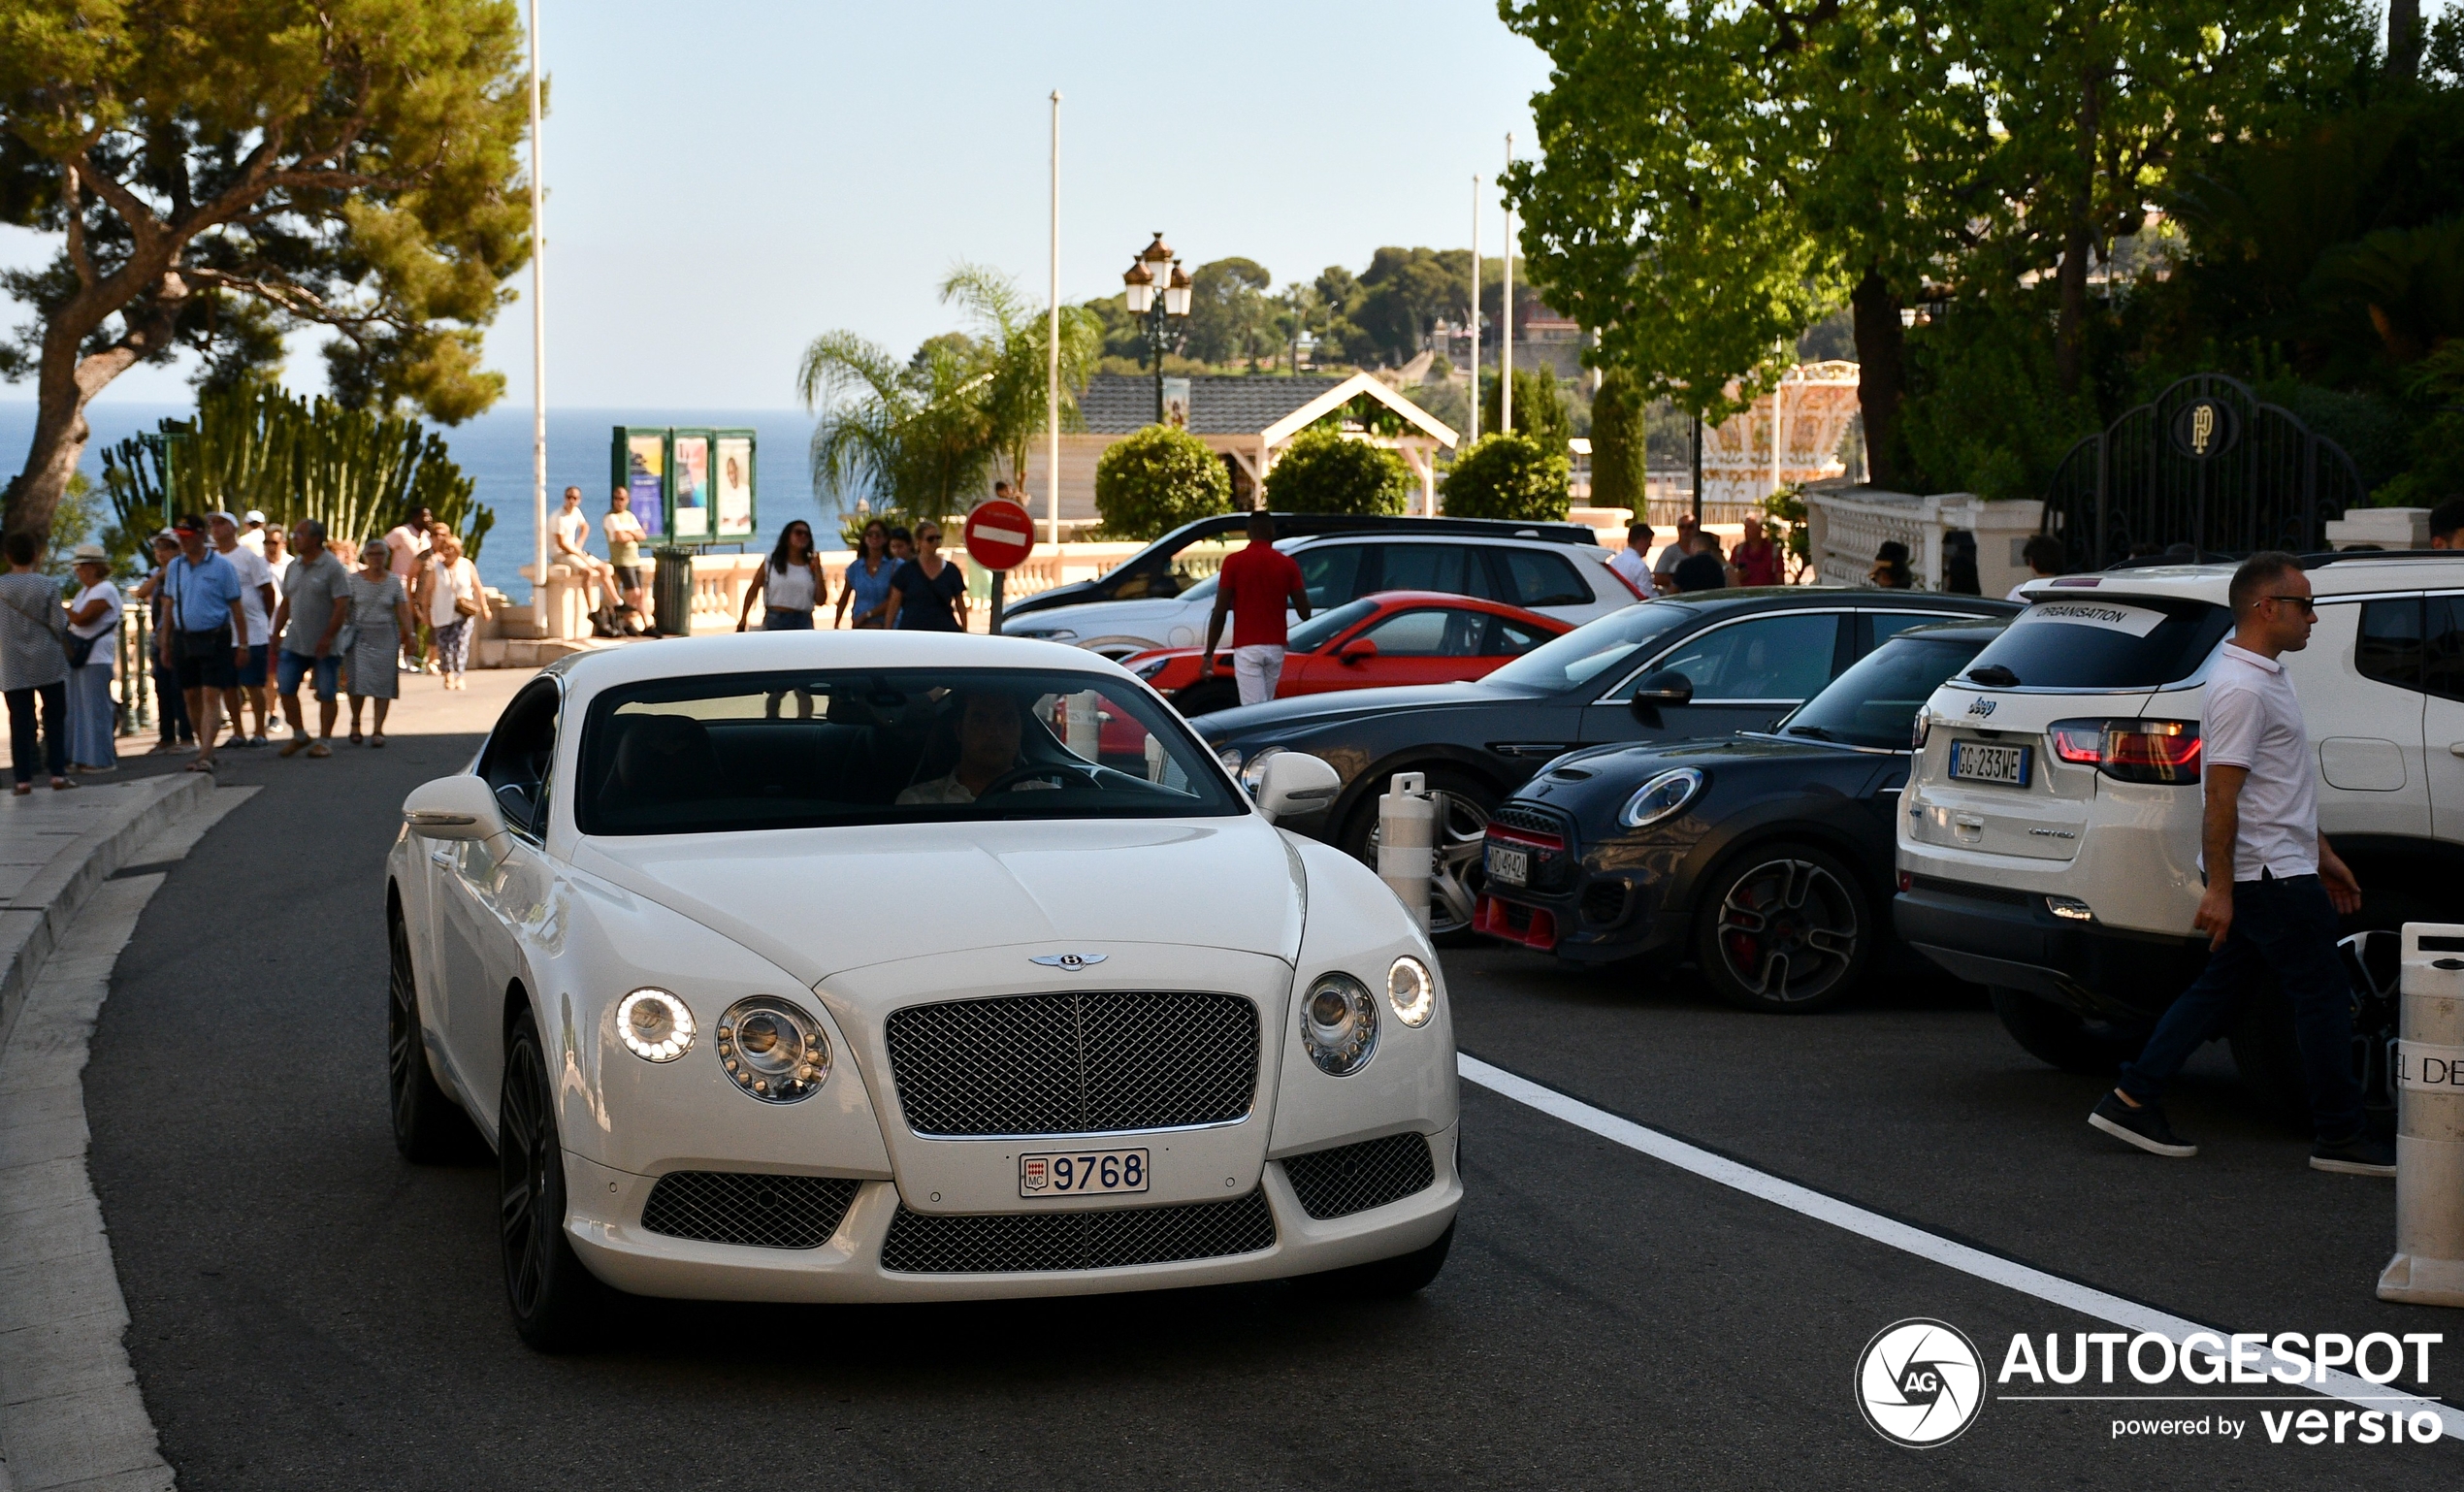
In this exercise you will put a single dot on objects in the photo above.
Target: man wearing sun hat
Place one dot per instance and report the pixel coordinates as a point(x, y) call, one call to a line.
point(253, 532)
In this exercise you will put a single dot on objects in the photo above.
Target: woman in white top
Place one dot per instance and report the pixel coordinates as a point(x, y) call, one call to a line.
point(790, 586)
point(451, 598)
point(93, 624)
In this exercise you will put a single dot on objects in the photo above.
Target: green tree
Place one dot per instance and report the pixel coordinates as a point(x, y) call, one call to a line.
point(1230, 316)
point(1408, 291)
point(1620, 416)
point(216, 171)
point(1322, 472)
point(923, 434)
point(1508, 476)
point(1152, 481)
point(1540, 406)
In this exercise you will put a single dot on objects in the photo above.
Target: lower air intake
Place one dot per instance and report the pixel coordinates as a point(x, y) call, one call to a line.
point(1355, 1178)
point(734, 1207)
point(1020, 1243)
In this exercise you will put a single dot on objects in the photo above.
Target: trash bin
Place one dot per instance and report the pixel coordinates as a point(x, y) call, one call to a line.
point(671, 593)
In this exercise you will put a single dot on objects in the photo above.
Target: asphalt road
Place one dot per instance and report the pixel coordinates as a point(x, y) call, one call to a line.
point(310, 1311)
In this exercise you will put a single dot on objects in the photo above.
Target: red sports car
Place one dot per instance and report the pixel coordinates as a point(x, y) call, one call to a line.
point(1392, 638)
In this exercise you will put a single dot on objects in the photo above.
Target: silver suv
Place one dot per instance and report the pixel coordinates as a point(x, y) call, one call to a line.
point(2049, 836)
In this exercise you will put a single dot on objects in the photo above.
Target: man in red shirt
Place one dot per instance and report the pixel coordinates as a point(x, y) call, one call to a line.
point(1756, 558)
point(1256, 584)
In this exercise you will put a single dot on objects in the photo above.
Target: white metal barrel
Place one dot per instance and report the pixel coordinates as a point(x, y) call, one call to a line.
point(2428, 1267)
point(1406, 842)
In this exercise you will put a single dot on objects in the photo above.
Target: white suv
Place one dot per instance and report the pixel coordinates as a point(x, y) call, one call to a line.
point(1572, 582)
point(2049, 835)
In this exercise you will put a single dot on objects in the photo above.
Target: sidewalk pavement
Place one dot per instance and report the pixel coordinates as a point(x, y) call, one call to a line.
point(56, 847)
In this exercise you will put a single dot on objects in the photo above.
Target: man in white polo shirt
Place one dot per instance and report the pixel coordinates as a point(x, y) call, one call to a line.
point(2274, 888)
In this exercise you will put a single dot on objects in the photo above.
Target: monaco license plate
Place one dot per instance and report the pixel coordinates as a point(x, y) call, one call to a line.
point(1082, 1173)
point(1979, 762)
point(1510, 868)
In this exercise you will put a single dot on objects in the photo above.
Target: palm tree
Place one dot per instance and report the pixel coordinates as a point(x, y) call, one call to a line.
point(921, 434)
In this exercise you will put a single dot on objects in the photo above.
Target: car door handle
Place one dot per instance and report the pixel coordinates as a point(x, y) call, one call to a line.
point(442, 857)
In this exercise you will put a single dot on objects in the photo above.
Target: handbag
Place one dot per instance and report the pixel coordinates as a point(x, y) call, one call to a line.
point(81, 649)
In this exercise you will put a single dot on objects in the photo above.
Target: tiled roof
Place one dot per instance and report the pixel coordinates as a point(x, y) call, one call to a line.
point(1116, 403)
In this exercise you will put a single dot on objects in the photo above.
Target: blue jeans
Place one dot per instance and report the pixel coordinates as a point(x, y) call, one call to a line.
point(2286, 925)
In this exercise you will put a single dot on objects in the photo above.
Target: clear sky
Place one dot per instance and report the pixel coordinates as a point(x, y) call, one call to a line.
point(729, 180)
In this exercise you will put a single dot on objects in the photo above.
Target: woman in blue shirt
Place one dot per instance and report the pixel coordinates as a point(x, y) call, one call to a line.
point(867, 578)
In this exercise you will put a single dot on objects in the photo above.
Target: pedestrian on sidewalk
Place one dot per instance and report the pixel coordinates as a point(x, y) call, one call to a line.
point(34, 666)
point(2274, 888)
point(451, 599)
point(790, 586)
point(1255, 585)
point(317, 606)
point(2044, 556)
point(171, 708)
point(867, 576)
point(929, 592)
point(256, 603)
point(1664, 565)
point(624, 538)
point(1632, 563)
point(209, 632)
point(1756, 558)
point(93, 618)
point(380, 618)
point(406, 546)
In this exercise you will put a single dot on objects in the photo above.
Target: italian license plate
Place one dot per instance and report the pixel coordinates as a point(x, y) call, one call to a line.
point(1510, 868)
point(1082, 1173)
point(1982, 762)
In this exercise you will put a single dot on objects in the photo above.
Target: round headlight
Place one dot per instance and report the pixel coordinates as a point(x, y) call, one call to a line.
point(1661, 797)
point(1338, 1024)
point(655, 1026)
point(1254, 775)
point(772, 1050)
point(1231, 761)
point(1412, 991)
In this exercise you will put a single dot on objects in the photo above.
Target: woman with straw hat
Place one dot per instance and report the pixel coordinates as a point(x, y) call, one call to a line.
point(93, 630)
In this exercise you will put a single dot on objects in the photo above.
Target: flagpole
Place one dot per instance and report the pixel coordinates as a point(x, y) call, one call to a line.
point(1475, 306)
point(539, 345)
point(1505, 339)
point(1052, 349)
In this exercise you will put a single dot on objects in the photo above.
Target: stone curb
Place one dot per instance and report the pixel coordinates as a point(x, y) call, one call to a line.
point(32, 922)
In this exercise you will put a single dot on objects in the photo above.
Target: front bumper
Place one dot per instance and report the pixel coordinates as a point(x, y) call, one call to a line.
point(604, 1215)
point(1993, 937)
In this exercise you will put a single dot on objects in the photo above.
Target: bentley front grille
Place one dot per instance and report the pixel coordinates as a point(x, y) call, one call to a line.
point(1020, 1243)
point(737, 1207)
point(1074, 1063)
point(1355, 1178)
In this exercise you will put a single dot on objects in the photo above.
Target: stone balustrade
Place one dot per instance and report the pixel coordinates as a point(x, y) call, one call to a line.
point(1849, 524)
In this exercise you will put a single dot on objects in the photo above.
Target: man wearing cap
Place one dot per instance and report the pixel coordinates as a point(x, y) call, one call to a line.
point(209, 630)
point(257, 600)
point(253, 532)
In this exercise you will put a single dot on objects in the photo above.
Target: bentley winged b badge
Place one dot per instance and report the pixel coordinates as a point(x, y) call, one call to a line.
point(1070, 961)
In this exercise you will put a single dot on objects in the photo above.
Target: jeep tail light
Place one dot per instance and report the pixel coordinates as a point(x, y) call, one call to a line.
point(2163, 751)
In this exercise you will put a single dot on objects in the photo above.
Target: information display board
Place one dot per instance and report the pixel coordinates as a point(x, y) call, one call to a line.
point(689, 485)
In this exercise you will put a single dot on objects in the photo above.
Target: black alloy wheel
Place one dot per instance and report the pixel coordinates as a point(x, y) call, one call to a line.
point(555, 1300)
point(429, 1127)
point(1782, 927)
point(1457, 875)
point(1206, 696)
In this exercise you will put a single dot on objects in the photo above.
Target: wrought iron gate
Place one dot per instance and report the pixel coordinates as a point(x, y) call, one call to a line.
point(2205, 464)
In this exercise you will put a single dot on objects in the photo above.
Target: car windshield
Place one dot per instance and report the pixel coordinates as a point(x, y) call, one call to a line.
point(1875, 702)
point(2085, 640)
point(1314, 634)
point(1592, 649)
point(806, 749)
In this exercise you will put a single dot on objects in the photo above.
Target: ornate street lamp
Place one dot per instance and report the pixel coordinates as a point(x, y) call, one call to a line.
point(1157, 268)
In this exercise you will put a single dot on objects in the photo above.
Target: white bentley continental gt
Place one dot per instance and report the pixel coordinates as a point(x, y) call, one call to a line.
point(883, 966)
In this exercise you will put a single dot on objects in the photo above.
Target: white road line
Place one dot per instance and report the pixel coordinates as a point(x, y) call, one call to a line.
point(1967, 1260)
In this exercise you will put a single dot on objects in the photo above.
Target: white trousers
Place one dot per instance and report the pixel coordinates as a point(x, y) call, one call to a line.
point(1257, 669)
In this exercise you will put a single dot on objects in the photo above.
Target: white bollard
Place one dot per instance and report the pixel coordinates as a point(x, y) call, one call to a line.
point(2428, 1267)
point(1406, 842)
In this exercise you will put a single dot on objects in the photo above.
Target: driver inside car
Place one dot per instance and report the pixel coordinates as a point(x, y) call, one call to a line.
point(988, 729)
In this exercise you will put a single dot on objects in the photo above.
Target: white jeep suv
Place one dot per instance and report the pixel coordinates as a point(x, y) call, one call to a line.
point(2049, 834)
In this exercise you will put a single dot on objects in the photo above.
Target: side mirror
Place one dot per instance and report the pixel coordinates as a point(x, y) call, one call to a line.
point(1296, 782)
point(457, 807)
point(1358, 650)
point(1665, 686)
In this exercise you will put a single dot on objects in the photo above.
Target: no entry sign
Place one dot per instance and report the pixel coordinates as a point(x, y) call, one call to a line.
point(999, 534)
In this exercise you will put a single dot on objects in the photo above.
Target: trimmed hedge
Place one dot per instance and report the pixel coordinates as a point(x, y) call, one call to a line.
point(1157, 479)
point(1508, 476)
point(1322, 472)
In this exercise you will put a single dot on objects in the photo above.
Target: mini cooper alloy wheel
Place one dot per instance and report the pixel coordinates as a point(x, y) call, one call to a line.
point(1786, 934)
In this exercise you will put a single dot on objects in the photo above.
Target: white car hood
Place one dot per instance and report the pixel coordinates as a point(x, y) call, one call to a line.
point(1104, 618)
point(818, 902)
